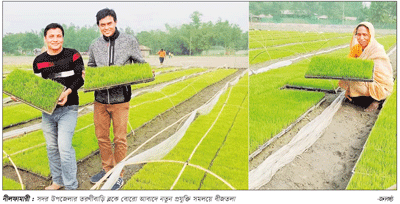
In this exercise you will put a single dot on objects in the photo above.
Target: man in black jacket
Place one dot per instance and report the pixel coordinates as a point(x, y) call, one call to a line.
point(112, 48)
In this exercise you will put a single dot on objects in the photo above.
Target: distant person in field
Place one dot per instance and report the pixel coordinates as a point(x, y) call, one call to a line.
point(161, 55)
point(170, 54)
point(65, 66)
point(112, 48)
point(363, 45)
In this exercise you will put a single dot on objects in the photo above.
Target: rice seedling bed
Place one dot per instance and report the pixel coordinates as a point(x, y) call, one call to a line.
point(35, 91)
point(143, 109)
point(175, 96)
point(272, 109)
point(169, 77)
point(275, 35)
point(17, 114)
point(340, 68)
point(377, 166)
point(223, 151)
point(305, 37)
point(270, 53)
point(98, 78)
point(263, 55)
point(9, 184)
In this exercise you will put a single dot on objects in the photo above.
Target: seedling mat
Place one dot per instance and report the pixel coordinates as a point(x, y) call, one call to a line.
point(34, 106)
point(120, 84)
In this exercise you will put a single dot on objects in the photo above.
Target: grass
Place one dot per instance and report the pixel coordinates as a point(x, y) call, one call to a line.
point(101, 77)
point(143, 108)
point(223, 150)
point(9, 184)
point(377, 167)
point(340, 68)
point(32, 89)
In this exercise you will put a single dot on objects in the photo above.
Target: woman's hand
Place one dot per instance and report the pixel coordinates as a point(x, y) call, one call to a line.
point(14, 98)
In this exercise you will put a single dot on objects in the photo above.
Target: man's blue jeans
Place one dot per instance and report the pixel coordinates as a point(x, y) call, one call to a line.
point(58, 129)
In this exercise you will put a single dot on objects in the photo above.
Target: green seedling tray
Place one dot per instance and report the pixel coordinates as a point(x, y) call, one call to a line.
point(99, 78)
point(120, 84)
point(351, 69)
point(26, 86)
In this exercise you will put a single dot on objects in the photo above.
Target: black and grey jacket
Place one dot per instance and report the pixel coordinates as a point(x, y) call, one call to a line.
point(118, 49)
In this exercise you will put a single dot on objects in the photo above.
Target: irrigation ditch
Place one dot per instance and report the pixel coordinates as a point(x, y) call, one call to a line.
point(91, 164)
point(329, 162)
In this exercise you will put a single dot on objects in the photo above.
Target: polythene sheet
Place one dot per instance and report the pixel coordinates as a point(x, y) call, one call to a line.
point(303, 140)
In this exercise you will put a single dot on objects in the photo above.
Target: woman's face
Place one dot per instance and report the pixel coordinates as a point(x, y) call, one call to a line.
point(363, 36)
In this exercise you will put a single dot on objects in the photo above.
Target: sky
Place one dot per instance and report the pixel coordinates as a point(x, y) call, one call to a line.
point(140, 16)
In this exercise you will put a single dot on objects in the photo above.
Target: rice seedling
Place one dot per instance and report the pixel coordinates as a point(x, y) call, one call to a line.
point(143, 108)
point(9, 184)
point(35, 91)
point(340, 68)
point(16, 114)
point(168, 77)
point(273, 109)
point(263, 55)
point(377, 167)
point(110, 76)
point(257, 42)
point(223, 151)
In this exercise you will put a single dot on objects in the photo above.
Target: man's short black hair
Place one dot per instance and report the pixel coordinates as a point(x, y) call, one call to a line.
point(104, 13)
point(53, 26)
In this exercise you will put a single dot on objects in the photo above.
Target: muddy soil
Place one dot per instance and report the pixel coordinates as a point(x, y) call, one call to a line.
point(328, 163)
point(92, 164)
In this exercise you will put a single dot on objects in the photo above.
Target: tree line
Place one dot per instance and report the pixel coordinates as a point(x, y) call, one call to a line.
point(187, 39)
point(379, 12)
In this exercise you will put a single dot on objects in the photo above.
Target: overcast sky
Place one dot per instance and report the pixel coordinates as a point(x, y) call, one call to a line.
point(140, 16)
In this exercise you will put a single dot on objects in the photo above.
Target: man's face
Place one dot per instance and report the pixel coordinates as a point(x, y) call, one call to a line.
point(107, 26)
point(54, 39)
point(363, 36)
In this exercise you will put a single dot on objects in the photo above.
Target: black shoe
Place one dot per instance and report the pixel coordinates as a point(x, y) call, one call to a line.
point(97, 177)
point(118, 184)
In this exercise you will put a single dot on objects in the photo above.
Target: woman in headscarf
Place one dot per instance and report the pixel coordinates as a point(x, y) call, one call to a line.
point(363, 45)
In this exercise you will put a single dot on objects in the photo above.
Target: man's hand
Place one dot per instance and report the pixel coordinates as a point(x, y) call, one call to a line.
point(83, 74)
point(64, 97)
